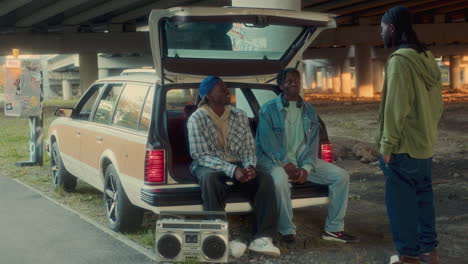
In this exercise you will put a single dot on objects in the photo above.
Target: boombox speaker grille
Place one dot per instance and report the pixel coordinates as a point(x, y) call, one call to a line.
point(169, 246)
point(214, 247)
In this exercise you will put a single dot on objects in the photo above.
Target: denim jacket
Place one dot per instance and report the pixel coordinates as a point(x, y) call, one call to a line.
point(271, 136)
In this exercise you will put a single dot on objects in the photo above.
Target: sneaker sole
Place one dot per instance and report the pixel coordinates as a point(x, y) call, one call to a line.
point(268, 253)
point(329, 238)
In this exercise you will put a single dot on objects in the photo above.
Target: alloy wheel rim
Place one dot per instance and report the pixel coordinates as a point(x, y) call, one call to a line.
point(54, 167)
point(111, 198)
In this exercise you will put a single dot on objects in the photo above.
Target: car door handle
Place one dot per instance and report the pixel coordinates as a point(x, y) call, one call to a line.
point(99, 138)
point(78, 133)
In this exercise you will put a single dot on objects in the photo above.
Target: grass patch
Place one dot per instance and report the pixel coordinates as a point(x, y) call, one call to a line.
point(144, 238)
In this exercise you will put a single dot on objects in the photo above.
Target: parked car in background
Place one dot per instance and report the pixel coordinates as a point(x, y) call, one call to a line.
point(127, 135)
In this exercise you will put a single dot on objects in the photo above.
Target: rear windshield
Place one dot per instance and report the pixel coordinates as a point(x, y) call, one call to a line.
point(228, 40)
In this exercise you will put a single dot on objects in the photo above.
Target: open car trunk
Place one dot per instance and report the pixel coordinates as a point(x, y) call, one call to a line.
point(247, 45)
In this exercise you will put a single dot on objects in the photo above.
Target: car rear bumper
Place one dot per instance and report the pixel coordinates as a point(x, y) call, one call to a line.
point(188, 196)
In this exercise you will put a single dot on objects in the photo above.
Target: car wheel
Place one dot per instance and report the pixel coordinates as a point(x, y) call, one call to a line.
point(61, 178)
point(122, 215)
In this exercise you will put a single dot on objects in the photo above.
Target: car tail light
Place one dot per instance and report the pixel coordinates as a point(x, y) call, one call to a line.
point(155, 166)
point(327, 152)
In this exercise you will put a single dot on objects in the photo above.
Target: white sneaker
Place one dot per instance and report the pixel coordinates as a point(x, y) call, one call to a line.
point(236, 248)
point(265, 246)
point(394, 259)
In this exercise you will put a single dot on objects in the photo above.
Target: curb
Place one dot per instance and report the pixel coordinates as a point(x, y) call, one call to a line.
point(148, 253)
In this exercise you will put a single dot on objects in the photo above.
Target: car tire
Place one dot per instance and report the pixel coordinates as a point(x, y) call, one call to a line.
point(61, 178)
point(121, 214)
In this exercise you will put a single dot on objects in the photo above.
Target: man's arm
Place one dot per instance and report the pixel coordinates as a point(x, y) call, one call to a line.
point(399, 96)
point(199, 148)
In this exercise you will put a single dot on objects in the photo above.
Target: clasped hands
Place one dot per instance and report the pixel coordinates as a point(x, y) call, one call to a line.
point(245, 175)
point(296, 175)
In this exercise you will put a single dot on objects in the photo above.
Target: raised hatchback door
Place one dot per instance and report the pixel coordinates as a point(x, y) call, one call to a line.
point(238, 44)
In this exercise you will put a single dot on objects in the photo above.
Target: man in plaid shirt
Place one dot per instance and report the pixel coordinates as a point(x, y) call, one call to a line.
point(222, 148)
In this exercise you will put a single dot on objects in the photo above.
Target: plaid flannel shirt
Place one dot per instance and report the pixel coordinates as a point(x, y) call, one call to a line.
point(205, 150)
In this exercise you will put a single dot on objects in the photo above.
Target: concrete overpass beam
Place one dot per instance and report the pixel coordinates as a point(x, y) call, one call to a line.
point(88, 70)
point(364, 71)
point(8, 6)
point(454, 72)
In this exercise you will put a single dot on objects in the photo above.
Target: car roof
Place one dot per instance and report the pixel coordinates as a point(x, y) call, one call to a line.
point(133, 77)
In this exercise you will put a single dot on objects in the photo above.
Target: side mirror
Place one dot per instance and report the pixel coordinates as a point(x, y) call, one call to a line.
point(64, 112)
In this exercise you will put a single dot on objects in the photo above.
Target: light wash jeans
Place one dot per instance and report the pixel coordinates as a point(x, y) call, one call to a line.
point(325, 173)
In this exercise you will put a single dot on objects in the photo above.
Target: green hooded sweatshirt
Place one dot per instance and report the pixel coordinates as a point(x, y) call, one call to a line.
point(411, 104)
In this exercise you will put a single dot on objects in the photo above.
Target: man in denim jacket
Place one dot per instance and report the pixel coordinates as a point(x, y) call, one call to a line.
point(287, 145)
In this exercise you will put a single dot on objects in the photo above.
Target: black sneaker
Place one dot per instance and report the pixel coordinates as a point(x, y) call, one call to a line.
point(290, 238)
point(339, 237)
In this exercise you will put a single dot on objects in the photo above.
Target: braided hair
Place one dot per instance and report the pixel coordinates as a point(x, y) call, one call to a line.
point(404, 36)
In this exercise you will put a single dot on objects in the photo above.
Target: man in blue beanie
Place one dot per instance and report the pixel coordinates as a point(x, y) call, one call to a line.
point(409, 116)
point(222, 148)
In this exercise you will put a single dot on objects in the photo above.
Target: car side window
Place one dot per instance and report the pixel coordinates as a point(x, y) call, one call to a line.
point(106, 104)
point(129, 106)
point(146, 114)
point(84, 109)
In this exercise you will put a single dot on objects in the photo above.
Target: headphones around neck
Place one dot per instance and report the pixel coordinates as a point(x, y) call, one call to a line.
point(285, 102)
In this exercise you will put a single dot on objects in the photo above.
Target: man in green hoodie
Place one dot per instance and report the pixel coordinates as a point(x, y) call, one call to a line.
point(409, 115)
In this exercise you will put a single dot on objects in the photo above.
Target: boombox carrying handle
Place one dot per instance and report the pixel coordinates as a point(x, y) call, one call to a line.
point(183, 214)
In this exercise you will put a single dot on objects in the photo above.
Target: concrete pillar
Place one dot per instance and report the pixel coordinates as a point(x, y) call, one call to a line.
point(336, 82)
point(309, 74)
point(88, 70)
point(465, 74)
point(66, 90)
point(280, 4)
point(378, 72)
point(345, 76)
point(364, 71)
point(324, 78)
point(454, 72)
point(103, 73)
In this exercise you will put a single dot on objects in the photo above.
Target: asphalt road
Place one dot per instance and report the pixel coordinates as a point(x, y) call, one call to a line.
point(35, 230)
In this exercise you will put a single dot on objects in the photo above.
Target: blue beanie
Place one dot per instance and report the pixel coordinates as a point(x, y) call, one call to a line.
point(207, 84)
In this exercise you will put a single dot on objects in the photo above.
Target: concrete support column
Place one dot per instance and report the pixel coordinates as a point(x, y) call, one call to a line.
point(88, 70)
point(364, 71)
point(309, 74)
point(66, 89)
point(103, 73)
point(280, 4)
point(465, 74)
point(378, 72)
point(336, 82)
point(454, 72)
point(345, 76)
point(324, 78)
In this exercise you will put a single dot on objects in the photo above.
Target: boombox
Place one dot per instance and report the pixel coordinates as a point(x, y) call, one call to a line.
point(179, 238)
